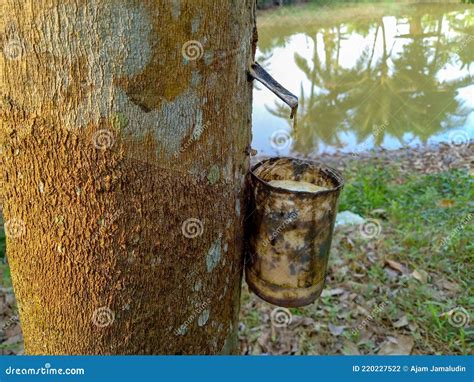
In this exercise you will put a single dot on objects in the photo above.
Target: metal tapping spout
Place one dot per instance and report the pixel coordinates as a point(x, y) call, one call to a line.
point(261, 75)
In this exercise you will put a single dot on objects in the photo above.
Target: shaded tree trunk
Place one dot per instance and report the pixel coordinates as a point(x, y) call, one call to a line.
point(123, 136)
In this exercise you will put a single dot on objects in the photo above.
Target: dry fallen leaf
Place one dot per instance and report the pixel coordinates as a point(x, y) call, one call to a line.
point(263, 341)
point(301, 321)
point(446, 203)
point(448, 285)
point(420, 275)
point(13, 340)
point(350, 348)
point(391, 274)
point(332, 292)
point(362, 310)
point(401, 345)
point(372, 256)
point(335, 330)
point(401, 322)
point(395, 265)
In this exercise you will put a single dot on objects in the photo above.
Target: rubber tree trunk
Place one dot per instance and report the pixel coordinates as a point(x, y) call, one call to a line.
point(124, 134)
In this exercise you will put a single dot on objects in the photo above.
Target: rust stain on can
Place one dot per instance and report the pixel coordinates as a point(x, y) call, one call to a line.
point(291, 231)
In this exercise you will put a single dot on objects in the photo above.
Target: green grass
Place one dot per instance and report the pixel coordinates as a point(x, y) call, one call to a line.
point(422, 211)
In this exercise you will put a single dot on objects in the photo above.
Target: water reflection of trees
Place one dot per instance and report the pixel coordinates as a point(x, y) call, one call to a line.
point(390, 94)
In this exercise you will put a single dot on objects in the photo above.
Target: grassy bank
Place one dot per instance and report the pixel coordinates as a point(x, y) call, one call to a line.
point(404, 289)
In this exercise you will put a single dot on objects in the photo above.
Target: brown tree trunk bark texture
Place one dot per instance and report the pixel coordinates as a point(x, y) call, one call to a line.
point(123, 137)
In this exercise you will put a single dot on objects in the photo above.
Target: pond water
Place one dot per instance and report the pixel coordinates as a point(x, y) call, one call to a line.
point(366, 76)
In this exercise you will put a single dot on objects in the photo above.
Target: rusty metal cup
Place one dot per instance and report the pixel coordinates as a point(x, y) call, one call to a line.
point(291, 231)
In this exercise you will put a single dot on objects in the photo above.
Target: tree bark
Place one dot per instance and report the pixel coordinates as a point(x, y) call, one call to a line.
point(124, 134)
